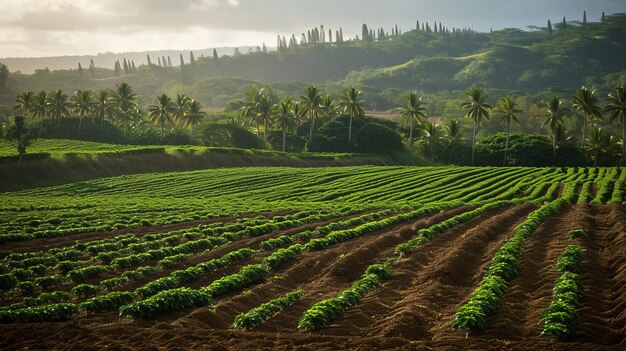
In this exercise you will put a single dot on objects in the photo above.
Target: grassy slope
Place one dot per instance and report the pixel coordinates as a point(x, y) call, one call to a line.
point(72, 160)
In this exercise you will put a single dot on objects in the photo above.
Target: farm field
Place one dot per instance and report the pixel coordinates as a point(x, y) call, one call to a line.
point(318, 258)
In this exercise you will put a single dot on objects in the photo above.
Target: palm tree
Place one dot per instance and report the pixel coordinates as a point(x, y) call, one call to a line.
point(298, 114)
point(311, 105)
point(616, 108)
point(328, 107)
point(284, 117)
point(193, 117)
point(102, 106)
point(181, 107)
point(352, 105)
point(596, 143)
point(586, 101)
point(124, 100)
point(414, 112)
point(561, 136)
point(249, 108)
point(554, 118)
point(453, 137)
point(25, 101)
point(508, 108)
point(162, 112)
point(476, 109)
point(40, 108)
point(82, 103)
point(58, 105)
point(264, 110)
point(430, 137)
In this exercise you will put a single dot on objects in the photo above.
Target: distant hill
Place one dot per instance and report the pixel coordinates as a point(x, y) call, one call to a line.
point(29, 65)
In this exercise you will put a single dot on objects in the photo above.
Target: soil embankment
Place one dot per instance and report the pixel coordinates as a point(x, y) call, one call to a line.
point(47, 172)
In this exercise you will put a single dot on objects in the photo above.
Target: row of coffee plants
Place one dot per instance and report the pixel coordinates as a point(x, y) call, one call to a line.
point(323, 313)
point(493, 184)
point(256, 316)
point(605, 186)
point(343, 235)
point(127, 245)
point(560, 318)
point(424, 235)
point(486, 298)
point(617, 197)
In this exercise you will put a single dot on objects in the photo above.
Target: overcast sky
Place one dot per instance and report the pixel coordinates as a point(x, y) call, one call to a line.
point(70, 27)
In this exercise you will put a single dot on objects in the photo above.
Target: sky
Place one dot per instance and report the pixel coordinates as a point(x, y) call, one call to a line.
point(38, 28)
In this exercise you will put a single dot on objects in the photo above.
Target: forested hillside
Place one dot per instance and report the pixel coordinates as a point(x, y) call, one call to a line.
point(437, 60)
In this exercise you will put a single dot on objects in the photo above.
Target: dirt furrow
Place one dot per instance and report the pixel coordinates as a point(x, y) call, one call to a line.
point(425, 285)
point(531, 290)
point(603, 310)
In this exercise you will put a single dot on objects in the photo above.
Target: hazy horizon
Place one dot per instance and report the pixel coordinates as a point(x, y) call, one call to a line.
point(82, 27)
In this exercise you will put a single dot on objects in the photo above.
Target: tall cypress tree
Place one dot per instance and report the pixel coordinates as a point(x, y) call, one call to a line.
point(132, 62)
point(169, 62)
point(160, 63)
point(149, 61)
point(564, 24)
point(4, 76)
point(549, 27)
point(192, 60)
point(417, 25)
point(364, 32)
point(80, 69)
point(584, 17)
point(215, 57)
point(182, 62)
point(602, 19)
point(92, 68)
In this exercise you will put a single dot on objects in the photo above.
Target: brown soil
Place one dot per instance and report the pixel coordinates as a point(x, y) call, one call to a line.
point(411, 311)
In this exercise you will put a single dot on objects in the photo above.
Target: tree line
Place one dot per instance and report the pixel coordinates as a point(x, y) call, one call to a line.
point(585, 104)
point(119, 106)
point(264, 110)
